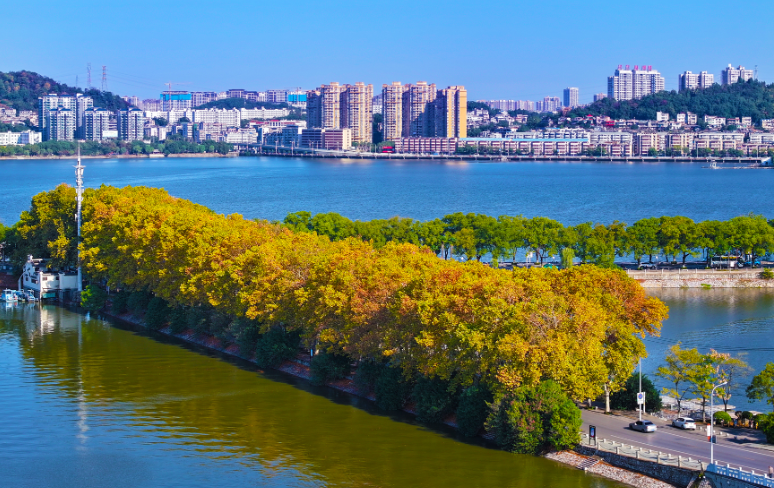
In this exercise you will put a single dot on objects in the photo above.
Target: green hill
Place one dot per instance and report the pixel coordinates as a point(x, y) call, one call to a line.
point(21, 89)
point(229, 103)
point(745, 99)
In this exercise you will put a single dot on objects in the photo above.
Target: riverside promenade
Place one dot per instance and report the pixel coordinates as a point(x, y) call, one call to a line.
point(701, 278)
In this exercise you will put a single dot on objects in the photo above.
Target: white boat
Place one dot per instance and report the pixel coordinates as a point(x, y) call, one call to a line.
point(9, 296)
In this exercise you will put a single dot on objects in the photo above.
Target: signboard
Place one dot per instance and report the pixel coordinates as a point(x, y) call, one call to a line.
point(641, 398)
point(592, 431)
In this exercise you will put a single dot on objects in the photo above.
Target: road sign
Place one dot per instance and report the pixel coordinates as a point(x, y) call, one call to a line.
point(641, 398)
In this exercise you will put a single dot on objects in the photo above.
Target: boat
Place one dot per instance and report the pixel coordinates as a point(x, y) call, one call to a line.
point(9, 296)
point(29, 295)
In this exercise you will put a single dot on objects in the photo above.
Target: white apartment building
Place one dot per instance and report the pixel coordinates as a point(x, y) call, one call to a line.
point(692, 81)
point(628, 84)
point(662, 117)
point(96, 124)
point(130, 124)
point(732, 75)
point(737, 137)
point(263, 113)
point(48, 104)
point(767, 124)
point(571, 97)
point(713, 121)
point(761, 138)
point(225, 117)
point(19, 138)
point(599, 137)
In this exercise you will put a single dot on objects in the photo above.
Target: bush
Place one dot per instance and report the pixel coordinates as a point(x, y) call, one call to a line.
point(433, 399)
point(93, 298)
point(276, 346)
point(197, 318)
point(367, 374)
point(722, 417)
point(767, 274)
point(157, 313)
point(626, 397)
point(219, 325)
point(178, 320)
point(138, 302)
point(326, 367)
point(532, 420)
point(119, 302)
point(391, 389)
point(759, 420)
point(766, 424)
point(472, 410)
point(246, 332)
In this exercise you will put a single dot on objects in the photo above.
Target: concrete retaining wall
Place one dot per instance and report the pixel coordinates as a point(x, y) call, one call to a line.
point(680, 477)
point(720, 481)
point(696, 278)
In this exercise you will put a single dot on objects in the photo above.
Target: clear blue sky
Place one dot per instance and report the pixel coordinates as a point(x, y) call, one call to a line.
point(497, 49)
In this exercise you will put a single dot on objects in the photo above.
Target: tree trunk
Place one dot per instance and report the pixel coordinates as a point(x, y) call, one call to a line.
point(607, 398)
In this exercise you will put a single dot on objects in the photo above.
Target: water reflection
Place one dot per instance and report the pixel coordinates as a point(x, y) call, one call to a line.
point(83, 393)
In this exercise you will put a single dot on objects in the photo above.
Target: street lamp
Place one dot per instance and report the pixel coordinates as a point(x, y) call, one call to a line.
point(712, 422)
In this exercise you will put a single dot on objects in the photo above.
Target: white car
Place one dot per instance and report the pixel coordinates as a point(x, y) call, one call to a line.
point(643, 426)
point(684, 423)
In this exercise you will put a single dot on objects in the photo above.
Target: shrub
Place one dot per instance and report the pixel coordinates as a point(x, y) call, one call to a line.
point(326, 367)
point(276, 346)
point(366, 375)
point(759, 419)
point(197, 318)
point(246, 332)
point(138, 302)
point(766, 424)
point(472, 410)
point(219, 325)
point(119, 302)
point(391, 389)
point(178, 320)
point(433, 399)
point(157, 313)
point(535, 419)
point(626, 397)
point(93, 298)
point(767, 274)
point(722, 417)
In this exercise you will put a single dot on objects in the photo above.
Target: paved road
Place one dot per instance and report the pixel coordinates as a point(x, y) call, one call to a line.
point(679, 442)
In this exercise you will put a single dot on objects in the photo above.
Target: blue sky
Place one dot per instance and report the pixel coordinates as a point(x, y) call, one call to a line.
point(513, 50)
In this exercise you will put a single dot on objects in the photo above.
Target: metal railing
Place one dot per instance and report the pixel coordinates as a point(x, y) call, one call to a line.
point(740, 474)
point(643, 454)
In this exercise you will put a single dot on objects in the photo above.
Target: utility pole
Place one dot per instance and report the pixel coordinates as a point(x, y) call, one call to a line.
point(104, 78)
point(642, 405)
point(79, 202)
point(711, 432)
point(88, 75)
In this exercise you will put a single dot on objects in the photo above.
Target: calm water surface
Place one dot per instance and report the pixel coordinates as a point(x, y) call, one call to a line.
point(86, 404)
point(270, 188)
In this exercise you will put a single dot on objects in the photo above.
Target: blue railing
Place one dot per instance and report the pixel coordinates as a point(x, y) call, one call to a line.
point(750, 477)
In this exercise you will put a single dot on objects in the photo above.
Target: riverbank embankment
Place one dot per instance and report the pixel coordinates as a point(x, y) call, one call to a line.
point(121, 156)
point(701, 278)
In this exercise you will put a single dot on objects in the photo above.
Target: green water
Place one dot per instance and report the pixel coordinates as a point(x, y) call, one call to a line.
point(89, 404)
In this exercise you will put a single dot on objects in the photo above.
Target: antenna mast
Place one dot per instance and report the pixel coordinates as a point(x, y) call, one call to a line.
point(88, 75)
point(79, 202)
point(104, 78)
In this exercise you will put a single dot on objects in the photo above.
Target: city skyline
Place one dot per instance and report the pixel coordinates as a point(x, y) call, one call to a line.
point(239, 59)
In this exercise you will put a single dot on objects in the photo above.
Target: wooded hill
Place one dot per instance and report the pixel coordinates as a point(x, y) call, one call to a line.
point(21, 89)
point(744, 99)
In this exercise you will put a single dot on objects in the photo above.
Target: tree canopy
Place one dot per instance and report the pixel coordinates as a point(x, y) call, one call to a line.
point(21, 89)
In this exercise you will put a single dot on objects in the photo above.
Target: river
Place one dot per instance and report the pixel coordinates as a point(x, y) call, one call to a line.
point(88, 404)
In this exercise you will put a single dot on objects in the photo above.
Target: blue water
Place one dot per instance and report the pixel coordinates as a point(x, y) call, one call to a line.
point(270, 188)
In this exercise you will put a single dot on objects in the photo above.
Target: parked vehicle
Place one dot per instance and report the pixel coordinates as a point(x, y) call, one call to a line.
point(754, 263)
point(643, 426)
point(647, 266)
point(724, 261)
point(9, 296)
point(684, 423)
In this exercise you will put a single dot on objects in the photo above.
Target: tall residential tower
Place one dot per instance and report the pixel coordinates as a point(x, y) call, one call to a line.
point(627, 84)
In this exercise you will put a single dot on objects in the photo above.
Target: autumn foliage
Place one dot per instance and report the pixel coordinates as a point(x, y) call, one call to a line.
point(463, 323)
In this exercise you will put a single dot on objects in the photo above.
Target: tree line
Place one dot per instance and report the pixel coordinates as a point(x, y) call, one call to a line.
point(523, 336)
point(172, 145)
point(473, 236)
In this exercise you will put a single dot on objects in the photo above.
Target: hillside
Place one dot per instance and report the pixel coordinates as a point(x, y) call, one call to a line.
point(745, 99)
point(229, 103)
point(21, 89)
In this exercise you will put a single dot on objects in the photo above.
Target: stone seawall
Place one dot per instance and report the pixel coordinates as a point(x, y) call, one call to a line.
point(694, 278)
point(680, 477)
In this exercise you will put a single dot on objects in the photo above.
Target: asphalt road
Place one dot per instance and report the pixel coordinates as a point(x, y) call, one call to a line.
point(675, 441)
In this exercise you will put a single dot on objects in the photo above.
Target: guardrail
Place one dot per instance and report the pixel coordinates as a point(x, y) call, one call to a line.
point(740, 474)
point(629, 450)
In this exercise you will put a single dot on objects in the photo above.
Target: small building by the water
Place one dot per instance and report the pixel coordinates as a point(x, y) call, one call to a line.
point(46, 281)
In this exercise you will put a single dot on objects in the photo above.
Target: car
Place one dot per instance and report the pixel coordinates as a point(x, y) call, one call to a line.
point(684, 423)
point(643, 426)
point(647, 266)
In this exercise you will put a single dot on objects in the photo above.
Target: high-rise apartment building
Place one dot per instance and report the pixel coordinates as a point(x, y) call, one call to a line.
point(330, 106)
point(600, 96)
point(357, 111)
point(175, 100)
point(200, 98)
point(571, 97)
point(732, 75)
point(277, 96)
point(96, 123)
point(130, 124)
point(450, 112)
point(627, 84)
point(418, 116)
point(314, 108)
point(692, 81)
point(548, 104)
point(49, 103)
point(61, 124)
point(392, 111)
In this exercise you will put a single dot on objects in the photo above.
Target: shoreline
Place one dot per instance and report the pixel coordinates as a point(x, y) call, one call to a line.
point(120, 156)
point(300, 369)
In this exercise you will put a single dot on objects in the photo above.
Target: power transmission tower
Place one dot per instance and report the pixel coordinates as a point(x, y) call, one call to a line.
point(104, 78)
point(756, 72)
point(88, 75)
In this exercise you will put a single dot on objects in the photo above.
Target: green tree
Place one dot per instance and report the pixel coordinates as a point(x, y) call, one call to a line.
point(762, 385)
point(93, 298)
point(679, 370)
point(626, 397)
point(542, 236)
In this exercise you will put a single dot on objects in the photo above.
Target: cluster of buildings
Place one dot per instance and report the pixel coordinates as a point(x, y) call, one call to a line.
point(67, 118)
point(184, 100)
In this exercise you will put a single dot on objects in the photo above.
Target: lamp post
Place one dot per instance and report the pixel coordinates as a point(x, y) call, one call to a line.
point(712, 422)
